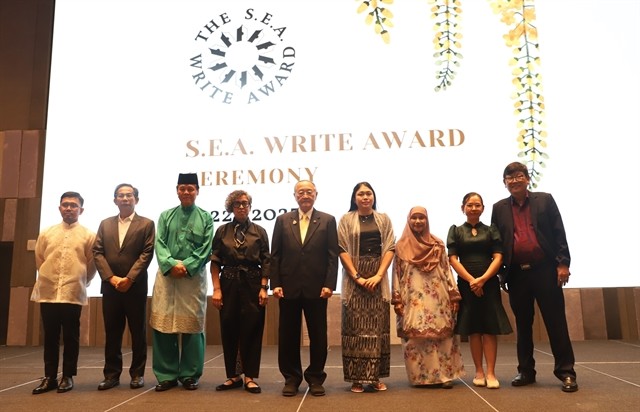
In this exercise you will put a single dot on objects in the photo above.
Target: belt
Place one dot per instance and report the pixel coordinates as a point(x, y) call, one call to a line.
point(236, 272)
point(528, 266)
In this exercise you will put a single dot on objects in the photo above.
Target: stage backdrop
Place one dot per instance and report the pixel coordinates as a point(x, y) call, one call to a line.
point(424, 101)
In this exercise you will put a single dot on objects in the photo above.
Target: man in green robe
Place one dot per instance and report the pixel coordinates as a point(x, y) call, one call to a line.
point(178, 307)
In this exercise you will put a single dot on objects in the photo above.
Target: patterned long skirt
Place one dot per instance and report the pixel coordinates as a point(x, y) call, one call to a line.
point(366, 345)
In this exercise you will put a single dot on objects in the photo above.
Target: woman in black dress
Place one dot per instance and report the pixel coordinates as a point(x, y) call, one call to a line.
point(475, 253)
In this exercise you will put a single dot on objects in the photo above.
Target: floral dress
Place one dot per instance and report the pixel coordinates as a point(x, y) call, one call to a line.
point(431, 350)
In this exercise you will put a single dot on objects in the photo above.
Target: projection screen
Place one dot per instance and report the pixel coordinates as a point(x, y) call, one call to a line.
point(256, 95)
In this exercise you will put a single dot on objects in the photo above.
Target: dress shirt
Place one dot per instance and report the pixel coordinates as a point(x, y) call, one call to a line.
point(64, 260)
point(526, 248)
point(123, 227)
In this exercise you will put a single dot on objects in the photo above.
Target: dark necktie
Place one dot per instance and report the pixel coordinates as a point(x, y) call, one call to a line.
point(238, 235)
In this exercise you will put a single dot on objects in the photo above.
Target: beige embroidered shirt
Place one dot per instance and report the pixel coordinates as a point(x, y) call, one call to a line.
point(64, 260)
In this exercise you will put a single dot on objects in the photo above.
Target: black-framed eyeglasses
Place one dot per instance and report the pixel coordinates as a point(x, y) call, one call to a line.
point(244, 204)
point(517, 178)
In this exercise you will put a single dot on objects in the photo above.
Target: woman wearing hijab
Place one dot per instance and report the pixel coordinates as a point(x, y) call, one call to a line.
point(240, 262)
point(366, 242)
point(425, 299)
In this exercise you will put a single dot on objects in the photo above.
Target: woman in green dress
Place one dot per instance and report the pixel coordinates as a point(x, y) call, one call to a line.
point(475, 253)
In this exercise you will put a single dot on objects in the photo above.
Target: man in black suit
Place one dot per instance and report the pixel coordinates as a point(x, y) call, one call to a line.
point(123, 252)
point(304, 273)
point(536, 259)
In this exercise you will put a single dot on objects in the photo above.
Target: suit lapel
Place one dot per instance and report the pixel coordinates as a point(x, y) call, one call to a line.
point(533, 206)
point(294, 224)
point(508, 211)
point(313, 225)
point(111, 233)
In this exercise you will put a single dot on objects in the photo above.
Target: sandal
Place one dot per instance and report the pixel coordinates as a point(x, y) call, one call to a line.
point(252, 389)
point(357, 388)
point(378, 386)
point(226, 386)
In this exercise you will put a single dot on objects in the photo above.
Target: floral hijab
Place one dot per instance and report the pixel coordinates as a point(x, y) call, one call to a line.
point(420, 249)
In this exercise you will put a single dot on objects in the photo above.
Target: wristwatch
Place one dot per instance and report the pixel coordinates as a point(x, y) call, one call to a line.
point(357, 276)
point(265, 287)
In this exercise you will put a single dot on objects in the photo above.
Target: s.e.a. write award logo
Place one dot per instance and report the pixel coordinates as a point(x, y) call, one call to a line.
point(242, 59)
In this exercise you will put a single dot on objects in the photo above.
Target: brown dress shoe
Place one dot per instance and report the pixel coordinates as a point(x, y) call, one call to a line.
point(289, 390)
point(137, 382)
point(108, 384)
point(66, 384)
point(47, 384)
point(316, 389)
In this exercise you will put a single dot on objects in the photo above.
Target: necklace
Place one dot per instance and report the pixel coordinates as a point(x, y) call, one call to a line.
point(365, 219)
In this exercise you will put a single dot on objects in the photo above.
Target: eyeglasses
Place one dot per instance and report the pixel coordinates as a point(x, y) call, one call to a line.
point(238, 205)
point(125, 196)
point(67, 205)
point(517, 178)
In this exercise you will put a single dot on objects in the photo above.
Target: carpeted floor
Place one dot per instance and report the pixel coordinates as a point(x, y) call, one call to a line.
point(608, 375)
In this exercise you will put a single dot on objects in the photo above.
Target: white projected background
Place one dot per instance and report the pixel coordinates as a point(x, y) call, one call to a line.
point(125, 107)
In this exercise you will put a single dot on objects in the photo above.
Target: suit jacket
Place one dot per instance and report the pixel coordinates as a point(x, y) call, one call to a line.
point(546, 221)
point(132, 259)
point(303, 269)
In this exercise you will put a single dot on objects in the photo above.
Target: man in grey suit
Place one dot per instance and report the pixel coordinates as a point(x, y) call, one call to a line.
point(537, 259)
point(304, 272)
point(123, 252)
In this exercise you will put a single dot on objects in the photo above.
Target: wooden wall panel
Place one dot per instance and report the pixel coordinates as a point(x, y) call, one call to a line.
point(593, 315)
point(10, 167)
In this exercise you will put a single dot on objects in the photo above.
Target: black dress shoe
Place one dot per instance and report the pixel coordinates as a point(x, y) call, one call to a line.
point(108, 384)
point(521, 380)
point(569, 384)
point(316, 389)
point(232, 385)
point(46, 385)
point(137, 382)
point(66, 384)
point(166, 385)
point(289, 390)
point(190, 384)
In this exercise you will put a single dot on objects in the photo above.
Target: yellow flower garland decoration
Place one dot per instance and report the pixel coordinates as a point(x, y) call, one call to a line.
point(446, 40)
point(380, 15)
point(522, 37)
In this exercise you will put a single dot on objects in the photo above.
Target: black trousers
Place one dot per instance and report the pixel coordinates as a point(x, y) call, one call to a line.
point(289, 334)
point(241, 325)
point(540, 284)
point(63, 317)
point(119, 309)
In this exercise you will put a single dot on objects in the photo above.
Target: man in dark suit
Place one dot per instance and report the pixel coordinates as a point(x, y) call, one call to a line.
point(123, 252)
point(536, 259)
point(304, 273)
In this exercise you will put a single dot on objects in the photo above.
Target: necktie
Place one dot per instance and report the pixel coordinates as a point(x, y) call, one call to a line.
point(239, 237)
point(304, 225)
